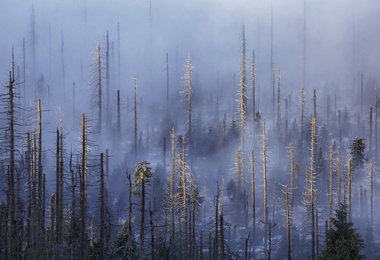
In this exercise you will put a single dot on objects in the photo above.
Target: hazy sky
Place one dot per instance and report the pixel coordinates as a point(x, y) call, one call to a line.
point(342, 38)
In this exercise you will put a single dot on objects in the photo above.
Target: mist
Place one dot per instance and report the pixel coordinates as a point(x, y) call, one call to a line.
point(312, 59)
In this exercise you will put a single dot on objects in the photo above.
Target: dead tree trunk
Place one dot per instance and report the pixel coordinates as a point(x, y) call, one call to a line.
point(129, 251)
point(172, 174)
point(339, 183)
point(349, 189)
point(302, 111)
point(376, 123)
point(278, 105)
point(99, 67)
point(253, 205)
point(118, 111)
point(371, 194)
point(101, 246)
point(135, 108)
point(291, 174)
point(83, 193)
point(253, 86)
point(288, 222)
point(370, 132)
point(58, 227)
point(51, 227)
point(312, 190)
point(265, 189)
point(331, 185)
point(11, 177)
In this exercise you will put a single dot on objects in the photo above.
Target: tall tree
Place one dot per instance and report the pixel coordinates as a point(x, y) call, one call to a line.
point(102, 206)
point(11, 171)
point(342, 241)
point(83, 189)
point(188, 91)
point(357, 153)
point(265, 189)
point(142, 177)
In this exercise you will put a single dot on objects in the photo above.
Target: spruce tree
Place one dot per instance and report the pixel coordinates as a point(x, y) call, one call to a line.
point(342, 241)
point(357, 153)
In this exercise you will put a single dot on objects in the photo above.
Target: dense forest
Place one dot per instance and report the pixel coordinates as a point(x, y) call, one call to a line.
point(165, 130)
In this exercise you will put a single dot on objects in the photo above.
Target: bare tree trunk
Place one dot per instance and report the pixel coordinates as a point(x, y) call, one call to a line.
point(302, 110)
point(238, 181)
point(253, 206)
point(51, 251)
point(102, 227)
point(193, 203)
point(339, 183)
point(57, 197)
point(73, 101)
point(11, 177)
point(331, 185)
point(142, 221)
point(273, 81)
point(216, 243)
point(349, 176)
point(35, 217)
point(172, 191)
point(118, 53)
point(361, 96)
point(224, 132)
point(221, 228)
point(99, 90)
point(83, 193)
point(189, 92)
point(63, 69)
point(265, 189)
point(118, 111)
point(43, 211)
point(371, 194)
point(370, 132)
point(184, 198)
point(328, 111)
point(108, 119)
point(30, 194)
point(61, 181)
point(151, 231)
point(253, 86)
point(278, 105)
point(164, 157)
point(92, 233)
point(376, 123)
point(288, 222)
point(135, 106)
point(167, 81)
point(129, 255)
point(201, 246)
point(312, 190)
point(291, 174)
point(39, 195)
point(316, 226)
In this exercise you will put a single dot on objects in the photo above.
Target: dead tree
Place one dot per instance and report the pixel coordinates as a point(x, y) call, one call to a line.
point(253, 204)
point(135, 109)
point(288, 221)
point(102, 206)
point(331, 185)
point(83, 189)
point(51, 227)
point(265, 189)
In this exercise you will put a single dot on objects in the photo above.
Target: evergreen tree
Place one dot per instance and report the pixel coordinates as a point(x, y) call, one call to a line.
point(342, 242)
point(233, 133)
point(357, 153)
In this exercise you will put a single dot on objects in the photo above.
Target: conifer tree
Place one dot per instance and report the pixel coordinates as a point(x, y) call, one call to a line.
point(342, 241)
